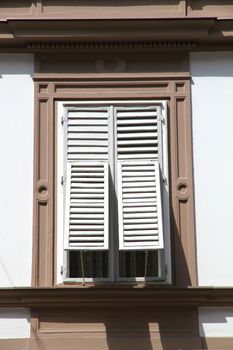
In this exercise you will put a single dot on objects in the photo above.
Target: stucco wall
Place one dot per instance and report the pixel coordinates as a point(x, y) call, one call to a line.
point(16, 175)
point(212, 108)
point(14, 323)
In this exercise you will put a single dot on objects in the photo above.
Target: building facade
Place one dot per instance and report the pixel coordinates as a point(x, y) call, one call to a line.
point(116, 223)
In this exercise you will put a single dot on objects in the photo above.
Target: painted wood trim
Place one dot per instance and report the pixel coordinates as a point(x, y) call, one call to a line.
point(183, 222)
point(124, 343)
point(178, 94)
point(61, 343)
point(137, 296)
point(26, 33)
point(14, 344)
point(43, 210)
point(217, 343)
point(123, 327)
point(43, 9)
point(178, 24)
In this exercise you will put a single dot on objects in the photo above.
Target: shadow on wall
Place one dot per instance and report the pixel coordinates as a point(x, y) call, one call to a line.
point(215, 322)
point(115, 327)
point(201, 4)
point(211, 64)
point(160, 329)
point(16, 64)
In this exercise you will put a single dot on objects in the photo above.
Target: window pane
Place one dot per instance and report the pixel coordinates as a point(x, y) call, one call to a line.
point(132, 264)
point(95, 264)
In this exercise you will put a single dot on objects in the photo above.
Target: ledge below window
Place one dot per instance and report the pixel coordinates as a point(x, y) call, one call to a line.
point(110, 295)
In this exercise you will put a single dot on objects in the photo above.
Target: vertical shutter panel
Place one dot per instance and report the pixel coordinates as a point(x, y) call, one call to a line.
point(137, 133)
point(140, 147)
point(87, 134)
point(87, 187)
point(86, 214)
point(139, 206)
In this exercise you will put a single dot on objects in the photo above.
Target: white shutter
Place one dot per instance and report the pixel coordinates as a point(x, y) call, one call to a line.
point(140, 157)
point(86, 212)
point(138, 132)
point(139, 205)
point(87, 134)
point(87, 192)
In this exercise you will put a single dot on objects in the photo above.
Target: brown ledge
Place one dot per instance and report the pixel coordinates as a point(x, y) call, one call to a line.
point(19, 30)
point(37, 34)
point(114, 296)
point(132, 29)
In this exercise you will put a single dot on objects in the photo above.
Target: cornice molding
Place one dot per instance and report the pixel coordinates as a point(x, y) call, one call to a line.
point(99, 45)
point(160, 33)
point(113, 296)
point(105, 30)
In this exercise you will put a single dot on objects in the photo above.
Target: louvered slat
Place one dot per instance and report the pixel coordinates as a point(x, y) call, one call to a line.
point(137, 133)
point(140, 207)
point(87, 134)
point(86, 216)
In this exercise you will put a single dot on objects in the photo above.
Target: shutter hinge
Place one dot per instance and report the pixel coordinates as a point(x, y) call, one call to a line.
point(62, 270)
point(63, 119)
point(162, 119)
point(164, 178)
point(165, 269)
point(62, 180)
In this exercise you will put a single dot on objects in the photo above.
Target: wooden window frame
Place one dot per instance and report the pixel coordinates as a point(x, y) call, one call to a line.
point(173, 87)
point(164, 254)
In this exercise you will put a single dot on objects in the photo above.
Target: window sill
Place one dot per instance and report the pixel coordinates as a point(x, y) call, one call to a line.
point(115, 285)
point(108, 295)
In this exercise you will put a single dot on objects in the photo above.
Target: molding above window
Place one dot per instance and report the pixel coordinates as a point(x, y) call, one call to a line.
point(21, 33)
point(103, 45)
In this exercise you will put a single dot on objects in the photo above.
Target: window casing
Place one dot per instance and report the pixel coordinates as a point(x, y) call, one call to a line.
point(126, 264)
point(53, 88)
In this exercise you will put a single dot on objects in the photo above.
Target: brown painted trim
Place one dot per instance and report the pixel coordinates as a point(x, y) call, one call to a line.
point(125, 45)
point(217, 343)
point(59, 342)
point(43, 237)
point(123, 343)
point(14, 344)
point(17, 31)
point(42, 9)
point(182, 212)
point(52, 26)
point(70, 343)
point(199, 47)
point(22, 32)
point(114, 295)
point(114, 326)
point(120, 86)
point(112, 79)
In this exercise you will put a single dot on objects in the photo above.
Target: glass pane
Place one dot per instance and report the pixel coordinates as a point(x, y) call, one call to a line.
point(132, 264)
point(95, 264)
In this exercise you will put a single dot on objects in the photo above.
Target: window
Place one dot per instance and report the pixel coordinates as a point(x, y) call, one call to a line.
point(113, 196)
point(54, 96)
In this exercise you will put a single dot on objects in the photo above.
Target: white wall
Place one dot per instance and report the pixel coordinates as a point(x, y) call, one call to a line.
point(212, 108)
point(16, 175)
point(14, 323)
point(216, 322)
